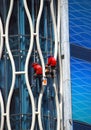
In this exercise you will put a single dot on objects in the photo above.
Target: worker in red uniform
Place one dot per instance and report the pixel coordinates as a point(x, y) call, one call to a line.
point(37, 68)
point(52, 61)
point(50, 66)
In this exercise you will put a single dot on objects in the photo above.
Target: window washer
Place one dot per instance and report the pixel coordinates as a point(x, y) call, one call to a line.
point(37, 69)
point(50, 66)
point(52, 61)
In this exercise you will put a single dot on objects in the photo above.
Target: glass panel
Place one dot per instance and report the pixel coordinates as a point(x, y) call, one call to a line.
point(80, 37)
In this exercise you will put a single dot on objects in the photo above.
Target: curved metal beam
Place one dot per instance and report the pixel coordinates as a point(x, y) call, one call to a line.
point(42, 63)
point(12, 64)
point(37, 37)
point(57, 103)
point(55, 29)
point(27, 62)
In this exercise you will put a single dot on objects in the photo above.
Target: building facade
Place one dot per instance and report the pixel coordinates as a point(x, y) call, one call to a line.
point(30, 32)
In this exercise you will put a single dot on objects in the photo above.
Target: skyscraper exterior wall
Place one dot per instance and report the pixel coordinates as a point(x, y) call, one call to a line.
point(80, 43)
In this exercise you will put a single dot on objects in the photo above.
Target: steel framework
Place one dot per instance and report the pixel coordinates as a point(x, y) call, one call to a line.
point(30, 31)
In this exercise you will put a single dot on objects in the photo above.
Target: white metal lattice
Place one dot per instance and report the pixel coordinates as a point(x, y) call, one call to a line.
point(57, 53)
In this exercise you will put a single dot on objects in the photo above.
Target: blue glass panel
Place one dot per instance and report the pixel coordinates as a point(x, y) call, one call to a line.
point(81, 90)
point(80, 22)
point(80, 39)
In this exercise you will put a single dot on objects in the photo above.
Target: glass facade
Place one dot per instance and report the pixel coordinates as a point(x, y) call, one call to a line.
point(14, 86)
point(80, 40)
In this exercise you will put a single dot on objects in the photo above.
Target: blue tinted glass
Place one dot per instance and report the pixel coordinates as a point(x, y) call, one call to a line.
point(81, 89)
point(80, 38)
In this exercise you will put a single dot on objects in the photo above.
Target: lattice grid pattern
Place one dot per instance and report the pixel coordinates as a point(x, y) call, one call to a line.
point(28, 33)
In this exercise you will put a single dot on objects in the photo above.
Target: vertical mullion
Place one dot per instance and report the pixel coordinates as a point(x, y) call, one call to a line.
point(22, 49)
point(66, 65)
point(19, 79)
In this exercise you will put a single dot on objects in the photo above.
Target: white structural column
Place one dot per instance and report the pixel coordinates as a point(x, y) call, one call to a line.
point(66, 65)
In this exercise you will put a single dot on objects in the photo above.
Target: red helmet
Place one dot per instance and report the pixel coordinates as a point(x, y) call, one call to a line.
point(52, 61)
point(37, 68)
